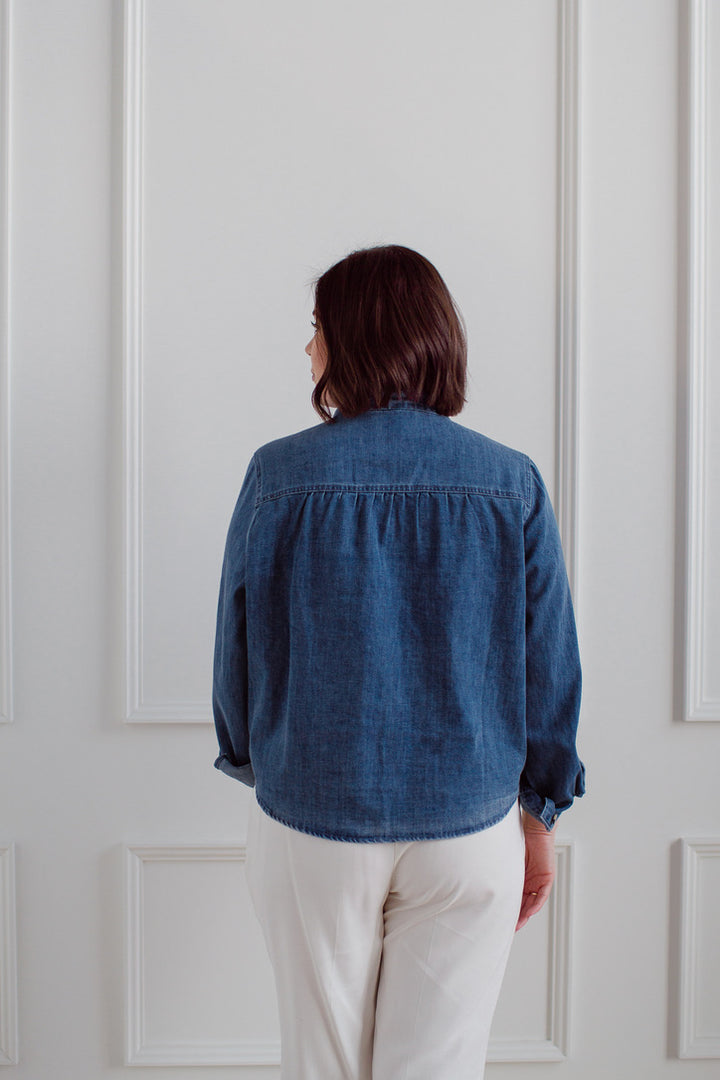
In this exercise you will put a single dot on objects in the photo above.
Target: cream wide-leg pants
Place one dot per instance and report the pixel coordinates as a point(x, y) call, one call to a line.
point(388, 957)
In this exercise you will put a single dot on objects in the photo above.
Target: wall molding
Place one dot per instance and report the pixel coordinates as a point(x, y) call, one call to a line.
point(6, 695)
point(137, 1050)
point(8, 958)
point(132, 347)
point(691, 1043)
point(567, 318)
point(566, 333)
point(694, 300)
point(555, 1045)
point(136, 709)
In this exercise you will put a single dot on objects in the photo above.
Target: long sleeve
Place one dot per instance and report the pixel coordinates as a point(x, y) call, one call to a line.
point(553, 774)
point(230, 666)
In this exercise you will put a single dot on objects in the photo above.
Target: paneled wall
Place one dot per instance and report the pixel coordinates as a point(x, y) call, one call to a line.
point(174, 174)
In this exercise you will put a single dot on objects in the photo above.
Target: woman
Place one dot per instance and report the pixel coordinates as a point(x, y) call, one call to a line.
point(397, 675)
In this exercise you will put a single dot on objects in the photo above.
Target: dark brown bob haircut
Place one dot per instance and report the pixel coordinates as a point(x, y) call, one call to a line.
point(390, 327)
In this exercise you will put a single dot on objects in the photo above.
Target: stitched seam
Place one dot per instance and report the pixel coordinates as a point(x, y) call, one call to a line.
point(258, 493)
point(421, 991)
point(369, 489)
point(332, 1022)
point(528, 501)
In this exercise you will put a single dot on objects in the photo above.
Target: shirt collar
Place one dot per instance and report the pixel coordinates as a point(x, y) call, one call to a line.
point(395, 401)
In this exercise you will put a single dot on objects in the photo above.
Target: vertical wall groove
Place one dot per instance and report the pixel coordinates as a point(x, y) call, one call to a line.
point(8, 958)
point(132, 348)
point(568, 292)
point(5, 574)
point(132, 339)
point(696, 705)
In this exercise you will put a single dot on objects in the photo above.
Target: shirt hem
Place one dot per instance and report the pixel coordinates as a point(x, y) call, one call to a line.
point(391, 837)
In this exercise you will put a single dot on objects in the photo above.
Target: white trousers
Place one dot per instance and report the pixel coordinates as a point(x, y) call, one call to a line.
point(388, 957)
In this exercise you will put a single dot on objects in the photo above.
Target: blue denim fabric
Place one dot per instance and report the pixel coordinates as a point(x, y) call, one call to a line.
point(396, 655)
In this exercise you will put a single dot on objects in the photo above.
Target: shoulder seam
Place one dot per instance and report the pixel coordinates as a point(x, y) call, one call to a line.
point(528, 486)
point(258, 478)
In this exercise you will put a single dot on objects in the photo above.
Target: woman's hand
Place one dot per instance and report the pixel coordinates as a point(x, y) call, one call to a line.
point(539, 868)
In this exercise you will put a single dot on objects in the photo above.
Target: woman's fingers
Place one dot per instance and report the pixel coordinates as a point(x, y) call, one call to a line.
point(532, 902)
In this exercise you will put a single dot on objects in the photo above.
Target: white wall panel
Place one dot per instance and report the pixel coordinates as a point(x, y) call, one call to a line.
point(5, 590)
point(8, 958)
point(199, 984)
point(710, 685)
point(537, 1027)
point(568, 296)
point(700, 304)
point(699, 998)
point(222, 211)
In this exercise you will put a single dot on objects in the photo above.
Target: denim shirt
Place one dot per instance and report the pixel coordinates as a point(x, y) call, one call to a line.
point(396, 655)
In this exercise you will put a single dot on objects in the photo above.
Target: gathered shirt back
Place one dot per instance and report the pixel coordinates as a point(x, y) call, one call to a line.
point(396, 655)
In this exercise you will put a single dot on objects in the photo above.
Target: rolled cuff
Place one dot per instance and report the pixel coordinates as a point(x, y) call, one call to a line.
point(544, 809)
point(243, 773)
